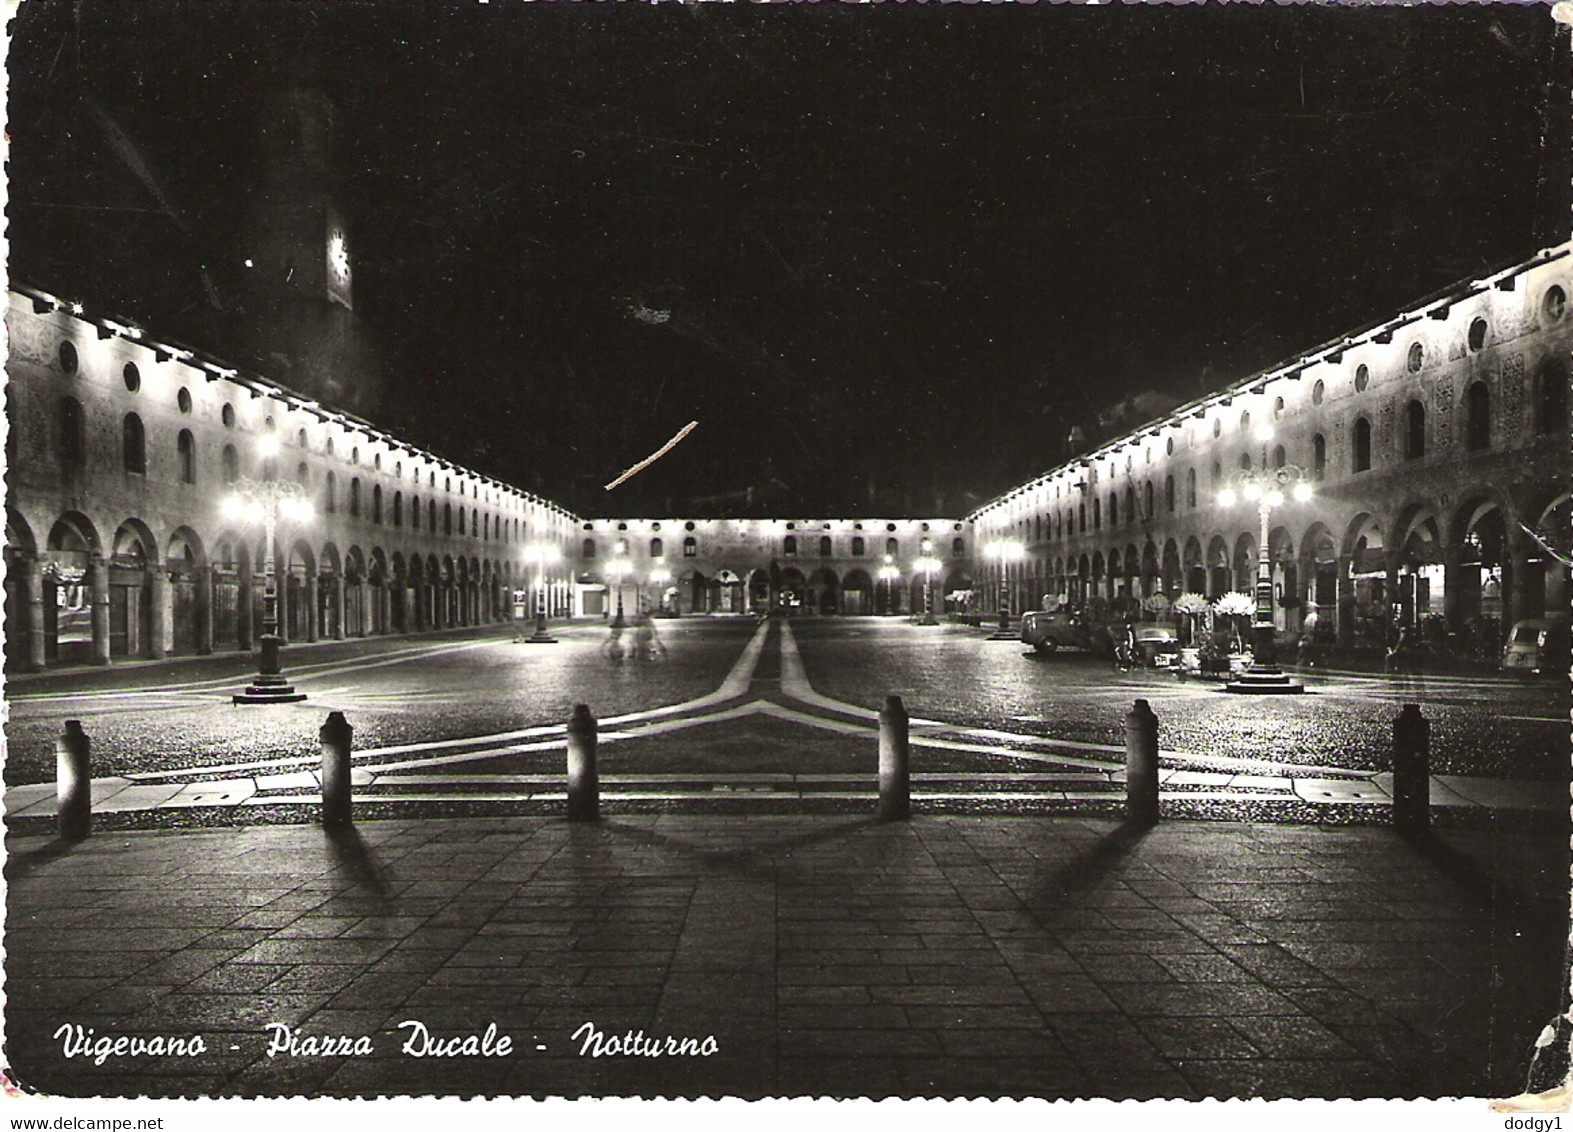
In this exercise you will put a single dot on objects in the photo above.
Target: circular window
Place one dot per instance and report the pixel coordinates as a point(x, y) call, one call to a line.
point(1278, 408)
point(228, 416)
point(1362, 378)
point(132, 377)
point(655, 526)
point(791, 526)
point(1477, 334)
point(1318, 391)
point(955, 526)
point(624, 526)
point(589, 526)
point(1555, 304)
point(183, 400)
point(688, 526)
point(1417, 357)
point(890, 526)
point(67, 357)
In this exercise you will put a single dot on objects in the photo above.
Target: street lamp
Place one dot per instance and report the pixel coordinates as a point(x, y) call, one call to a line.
point(618, 567)
point(659, 577)
point(267, 501)
point(927, 563)
point(1005, 552)
point(1267, 488)
point(542, 554)
point(890, 575)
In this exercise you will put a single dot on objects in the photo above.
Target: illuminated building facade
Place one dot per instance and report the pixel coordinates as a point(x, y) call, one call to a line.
point(119, 453)
point(816, 566)
point(1437, 443)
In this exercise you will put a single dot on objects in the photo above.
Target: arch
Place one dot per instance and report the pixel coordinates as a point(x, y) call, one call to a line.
point(186, 456)
point(1361, 445)
point(857, 592)
point(1414, 430)
point(1217, 564)
point(1170, 568)
point(185, 547)
point(133, 445)
point(824, 589)
point(1244, 562)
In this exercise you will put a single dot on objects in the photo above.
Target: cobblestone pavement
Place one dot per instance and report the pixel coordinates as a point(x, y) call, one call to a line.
point(765, 736)
point(990, 956)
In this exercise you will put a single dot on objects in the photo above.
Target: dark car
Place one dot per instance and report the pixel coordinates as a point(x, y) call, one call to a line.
point(1047, 630)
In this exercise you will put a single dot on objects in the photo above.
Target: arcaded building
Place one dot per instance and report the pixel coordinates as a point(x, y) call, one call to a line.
point(120, 452)
point(814, 566)
point(1437, 444)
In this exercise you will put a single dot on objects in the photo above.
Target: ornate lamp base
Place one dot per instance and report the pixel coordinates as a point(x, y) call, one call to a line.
point(1264, 680)
point(269, 690)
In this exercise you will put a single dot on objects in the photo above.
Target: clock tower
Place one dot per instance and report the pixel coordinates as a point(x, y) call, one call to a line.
point(301, 325)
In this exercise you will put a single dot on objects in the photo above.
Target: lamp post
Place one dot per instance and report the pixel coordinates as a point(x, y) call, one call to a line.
point(542, 554)
point(1267, 488)
point(927, 563)
point(618, 567)
point(1004, 552)
point(889, 575)
point(659, 577)
point(267, 501)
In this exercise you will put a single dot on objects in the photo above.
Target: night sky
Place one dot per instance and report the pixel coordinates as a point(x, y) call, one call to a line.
point(885, 256)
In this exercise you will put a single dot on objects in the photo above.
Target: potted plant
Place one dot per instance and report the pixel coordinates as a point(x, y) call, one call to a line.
point(1235, 607)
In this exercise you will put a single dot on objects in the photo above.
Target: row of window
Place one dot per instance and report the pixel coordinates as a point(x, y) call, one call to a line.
point(789, 547)
point(1551, 418)
point(72, 450)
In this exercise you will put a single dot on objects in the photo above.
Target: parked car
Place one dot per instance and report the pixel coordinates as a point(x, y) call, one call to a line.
point(1537, 645)
point(1157, 645)
point(1047, 630)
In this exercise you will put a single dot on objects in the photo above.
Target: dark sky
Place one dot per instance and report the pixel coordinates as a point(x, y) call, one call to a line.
point(870, 249)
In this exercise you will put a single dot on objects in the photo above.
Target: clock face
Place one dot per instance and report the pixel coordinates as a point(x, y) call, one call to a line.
point(338, 257)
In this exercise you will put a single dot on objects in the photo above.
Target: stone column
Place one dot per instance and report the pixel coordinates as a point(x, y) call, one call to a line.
point(161, 595)
point(33, 579)
point(98, 586)
point(1346, 601)
point(312, 628)
point(1453, 586)
point(337, 594)
point(204, 610)
point(243, 610)
point(365, 608)
point(1518, 603)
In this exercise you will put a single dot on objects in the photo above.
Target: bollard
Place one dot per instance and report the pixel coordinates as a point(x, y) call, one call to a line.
point(1411, 770)
point(336, 736)
point(1141, 764)
point(73, 782)
point(895, 756)
point(584, 788)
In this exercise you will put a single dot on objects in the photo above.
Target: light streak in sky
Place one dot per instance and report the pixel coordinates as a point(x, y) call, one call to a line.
point(654, 456)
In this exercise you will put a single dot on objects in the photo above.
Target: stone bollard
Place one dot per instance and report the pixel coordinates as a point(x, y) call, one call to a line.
point(336, 737)
point(73, 782)
point(1141, 764)
point(1411, 770)
point(584, 788)
point(895, 758)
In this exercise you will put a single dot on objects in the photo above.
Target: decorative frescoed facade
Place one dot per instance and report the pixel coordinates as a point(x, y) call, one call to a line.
point(1437, 444)
point(120, 452)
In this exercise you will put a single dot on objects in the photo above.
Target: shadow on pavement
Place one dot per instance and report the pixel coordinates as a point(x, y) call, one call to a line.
point(19, 865)
point(1087, 869)
point(355, 858)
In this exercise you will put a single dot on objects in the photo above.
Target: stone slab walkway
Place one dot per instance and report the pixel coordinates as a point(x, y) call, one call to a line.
point(976, 956)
